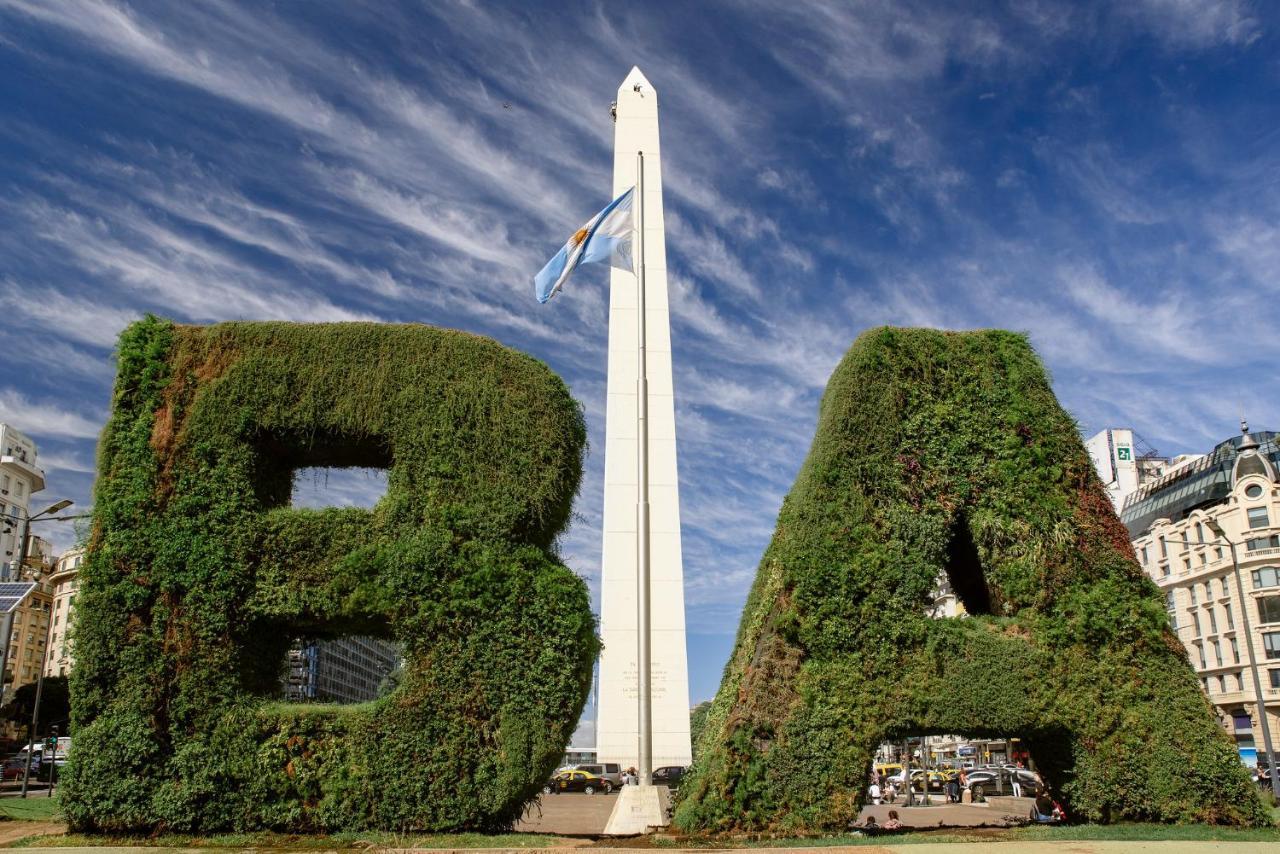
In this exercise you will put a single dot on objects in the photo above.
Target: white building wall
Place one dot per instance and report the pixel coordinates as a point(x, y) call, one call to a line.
point(1195, 572)
point(1114, 458)
point(20, 476)
point(636, 130)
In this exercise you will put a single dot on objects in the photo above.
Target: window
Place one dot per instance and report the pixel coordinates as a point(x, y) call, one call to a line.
point(1268, 576)
point(1231, 618)
point(1204, 663)
point(1213, 622)
point(1164, 549)
point(1271, 542)
point(1269, 609)
point(1222, 582)
point(1204, 682)
point(1142, 555)
point(1199, 533)
point(1222, 684)
point(1186, 564)
point(1217, 654)
point(1275, 678)
point(1235, 651)
point(1194, 600)
point(1195, 619)
point(1164, 570)
point(1271, 642)
point(1204, 558)
point(1258, 518)
point(18, 488)
point(4, 482)
point(1250, 491)
point(1217, 553)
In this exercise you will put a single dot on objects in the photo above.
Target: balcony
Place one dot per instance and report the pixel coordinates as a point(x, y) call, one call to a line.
point(18, 465)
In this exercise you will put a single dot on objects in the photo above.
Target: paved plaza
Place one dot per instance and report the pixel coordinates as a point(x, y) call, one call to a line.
point(575, 814)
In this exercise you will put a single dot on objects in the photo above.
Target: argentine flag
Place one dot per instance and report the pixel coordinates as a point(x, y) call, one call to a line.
point(606, 238)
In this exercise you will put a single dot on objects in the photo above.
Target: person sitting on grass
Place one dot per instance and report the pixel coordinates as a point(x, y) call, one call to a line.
point(1044, 809)
point(892, 823)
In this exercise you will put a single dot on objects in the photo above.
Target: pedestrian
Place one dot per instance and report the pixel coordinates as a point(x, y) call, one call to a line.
point(1016, 782)
point(963, 779)
point(873, 793)
point(893, 823)
point(953, 790)
point(1044, 809)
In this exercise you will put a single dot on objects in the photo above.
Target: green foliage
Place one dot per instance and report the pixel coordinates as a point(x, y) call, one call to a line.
point(199, 573)
point(698, 720)
point(948, 453)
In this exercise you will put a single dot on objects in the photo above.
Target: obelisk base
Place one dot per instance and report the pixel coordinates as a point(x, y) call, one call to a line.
point(638, 810)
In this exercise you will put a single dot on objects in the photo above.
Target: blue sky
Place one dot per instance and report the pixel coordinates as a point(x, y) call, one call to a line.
point(1101, 176)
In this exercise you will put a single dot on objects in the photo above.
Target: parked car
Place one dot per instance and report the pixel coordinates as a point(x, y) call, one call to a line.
point(13, 769)
point(937, 780)
point(577, 781)
point(610, 771)
point(991, 781)
point(669, 776)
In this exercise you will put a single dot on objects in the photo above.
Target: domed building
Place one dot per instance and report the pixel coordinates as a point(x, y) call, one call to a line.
point(1186, 526)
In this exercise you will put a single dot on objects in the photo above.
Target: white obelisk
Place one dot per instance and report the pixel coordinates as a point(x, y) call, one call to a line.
point(618, 730)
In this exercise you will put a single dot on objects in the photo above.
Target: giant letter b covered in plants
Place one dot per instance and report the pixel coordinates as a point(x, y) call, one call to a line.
point(946, 455)
point(200, 572)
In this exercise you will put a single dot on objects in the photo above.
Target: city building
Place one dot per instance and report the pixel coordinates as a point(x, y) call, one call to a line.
point(19, 478)
point(1173, 522)
point(63, 582)
point(346, 670)
point(1125, 462)
point(30, 632)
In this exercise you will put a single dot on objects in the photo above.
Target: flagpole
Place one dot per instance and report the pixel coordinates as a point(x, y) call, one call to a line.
point(642, 501)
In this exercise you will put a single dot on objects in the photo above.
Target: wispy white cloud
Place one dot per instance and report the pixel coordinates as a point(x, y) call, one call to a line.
point(38, 418)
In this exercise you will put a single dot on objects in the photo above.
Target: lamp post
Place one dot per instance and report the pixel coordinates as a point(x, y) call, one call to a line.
point(1216, 528)
point(46, 515)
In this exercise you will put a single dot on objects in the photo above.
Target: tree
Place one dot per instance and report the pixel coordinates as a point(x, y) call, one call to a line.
point(55, 704)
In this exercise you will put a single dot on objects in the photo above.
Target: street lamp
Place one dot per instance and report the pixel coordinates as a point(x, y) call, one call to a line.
point(48, 514)
point(25, 539)
point(24, 543)
point(1216, 528)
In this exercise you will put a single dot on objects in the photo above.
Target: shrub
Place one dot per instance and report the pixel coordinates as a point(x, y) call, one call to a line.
point(947, 453)
point(199, 574)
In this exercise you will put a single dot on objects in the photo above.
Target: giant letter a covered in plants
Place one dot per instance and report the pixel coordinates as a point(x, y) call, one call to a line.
point(946, 455)
point(200, 572)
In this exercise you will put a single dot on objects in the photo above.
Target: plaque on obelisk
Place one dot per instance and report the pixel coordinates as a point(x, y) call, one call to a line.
point(618, 717)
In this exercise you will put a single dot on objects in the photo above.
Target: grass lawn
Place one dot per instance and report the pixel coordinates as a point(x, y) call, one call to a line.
point(1070, 833)
point(279, 841)
point(32, 808)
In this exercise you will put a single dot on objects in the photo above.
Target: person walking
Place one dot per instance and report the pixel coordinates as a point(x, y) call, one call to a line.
point(874, 793)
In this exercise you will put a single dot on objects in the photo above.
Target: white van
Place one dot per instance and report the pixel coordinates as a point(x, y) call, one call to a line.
point(41, 752)
point(610, 771)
